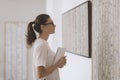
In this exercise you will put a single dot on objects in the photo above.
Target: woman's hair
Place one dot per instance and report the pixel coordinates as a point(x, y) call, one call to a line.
point(35, 25)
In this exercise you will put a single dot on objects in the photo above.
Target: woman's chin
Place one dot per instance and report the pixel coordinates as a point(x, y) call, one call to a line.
point(52, 32)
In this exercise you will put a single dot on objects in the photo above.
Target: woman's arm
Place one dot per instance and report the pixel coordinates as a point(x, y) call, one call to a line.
point(42, 71)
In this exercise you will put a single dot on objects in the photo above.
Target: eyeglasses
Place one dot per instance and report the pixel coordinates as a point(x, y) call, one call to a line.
point(51, 23)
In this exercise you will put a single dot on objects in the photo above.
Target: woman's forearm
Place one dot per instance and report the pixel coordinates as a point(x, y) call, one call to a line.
point(42, 71)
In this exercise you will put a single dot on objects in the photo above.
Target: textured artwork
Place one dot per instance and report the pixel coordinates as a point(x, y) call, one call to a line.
point(106, 40)
point(76, 30)
point(16, 52)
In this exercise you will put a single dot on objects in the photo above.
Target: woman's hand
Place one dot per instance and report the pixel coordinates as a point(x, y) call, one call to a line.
point(62, 62)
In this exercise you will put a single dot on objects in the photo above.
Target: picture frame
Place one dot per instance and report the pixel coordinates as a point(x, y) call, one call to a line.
point(77, 30)
point(16, 52)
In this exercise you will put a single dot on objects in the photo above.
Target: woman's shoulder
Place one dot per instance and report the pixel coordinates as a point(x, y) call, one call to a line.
point(40, 42)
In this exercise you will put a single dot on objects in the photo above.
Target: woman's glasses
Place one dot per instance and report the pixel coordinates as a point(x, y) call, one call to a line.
point(51, 23)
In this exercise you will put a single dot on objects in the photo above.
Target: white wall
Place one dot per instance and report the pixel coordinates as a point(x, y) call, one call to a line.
point(55, 8)
point(17, 10)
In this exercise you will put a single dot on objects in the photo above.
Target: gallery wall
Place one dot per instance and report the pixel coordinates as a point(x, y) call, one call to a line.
point(106, 40)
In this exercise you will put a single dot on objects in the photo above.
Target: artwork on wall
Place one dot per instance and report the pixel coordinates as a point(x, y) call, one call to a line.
point(15, 51)
point(76, 29)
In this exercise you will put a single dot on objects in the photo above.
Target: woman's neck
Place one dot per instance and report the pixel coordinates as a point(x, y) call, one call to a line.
point(44, 36)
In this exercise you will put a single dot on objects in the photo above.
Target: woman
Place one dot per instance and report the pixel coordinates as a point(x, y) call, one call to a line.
point(43, 56)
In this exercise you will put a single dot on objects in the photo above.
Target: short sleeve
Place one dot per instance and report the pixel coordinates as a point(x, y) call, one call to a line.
point(40, 55)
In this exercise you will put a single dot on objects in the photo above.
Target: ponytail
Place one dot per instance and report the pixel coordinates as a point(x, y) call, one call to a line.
point(31, 36)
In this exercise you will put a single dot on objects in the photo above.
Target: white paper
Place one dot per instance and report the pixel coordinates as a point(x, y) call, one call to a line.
point(60, 53)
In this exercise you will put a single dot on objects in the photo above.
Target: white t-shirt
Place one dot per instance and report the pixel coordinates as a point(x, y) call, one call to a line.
point(43, 56)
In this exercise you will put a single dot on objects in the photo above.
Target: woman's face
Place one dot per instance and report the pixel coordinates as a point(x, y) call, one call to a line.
point(48, 27)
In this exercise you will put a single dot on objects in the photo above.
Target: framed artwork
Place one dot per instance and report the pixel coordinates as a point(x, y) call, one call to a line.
point(76, 30)
point(16, 53)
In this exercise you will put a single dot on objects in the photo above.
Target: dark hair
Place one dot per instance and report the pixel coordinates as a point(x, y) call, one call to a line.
point(35, 25)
